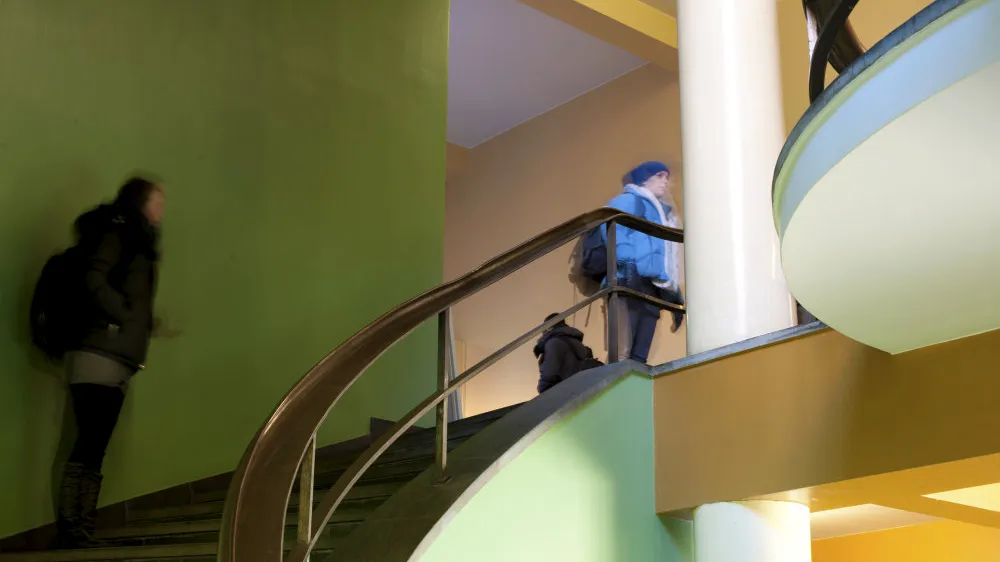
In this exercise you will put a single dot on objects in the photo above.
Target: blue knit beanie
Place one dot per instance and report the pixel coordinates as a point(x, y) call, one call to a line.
point(644, 171)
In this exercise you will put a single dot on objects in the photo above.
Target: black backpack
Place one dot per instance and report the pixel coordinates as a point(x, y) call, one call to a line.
point(55, 305)
point(589, 260)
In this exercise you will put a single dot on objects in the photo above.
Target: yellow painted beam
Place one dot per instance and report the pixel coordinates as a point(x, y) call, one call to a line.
point(907, 490)
point(631, 25)
point(943, 509)
point(824, 409)
point(665, 6)
point(640, 16)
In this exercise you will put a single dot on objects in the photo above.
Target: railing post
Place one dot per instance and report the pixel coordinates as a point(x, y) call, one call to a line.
point(441, 439)
point(306, 478)
point(454, 399)
point(613, 299)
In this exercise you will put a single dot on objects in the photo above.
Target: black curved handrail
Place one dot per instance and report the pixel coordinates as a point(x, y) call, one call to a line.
point(836, 41)
point(921, 20)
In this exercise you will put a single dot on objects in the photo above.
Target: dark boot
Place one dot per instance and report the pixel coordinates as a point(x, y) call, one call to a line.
point(68, 523)
point(90, 491)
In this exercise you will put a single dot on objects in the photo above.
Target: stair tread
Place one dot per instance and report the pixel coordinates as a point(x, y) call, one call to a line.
point(115, 553)
point(361, 493)
point(166, 526)
point(412, 447)
point(379, 472)
point(347, 514)
point(400, 451)
point(135, 553)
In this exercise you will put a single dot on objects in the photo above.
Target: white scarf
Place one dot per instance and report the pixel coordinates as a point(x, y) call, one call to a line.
point(671, 261)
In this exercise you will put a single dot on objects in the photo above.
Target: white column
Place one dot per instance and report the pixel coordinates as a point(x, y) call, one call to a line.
point(752, 531)
point(733, 130)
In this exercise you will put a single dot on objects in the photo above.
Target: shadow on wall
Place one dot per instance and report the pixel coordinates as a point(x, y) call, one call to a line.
point(614, 479)
point(680, 539)
point(37, 225)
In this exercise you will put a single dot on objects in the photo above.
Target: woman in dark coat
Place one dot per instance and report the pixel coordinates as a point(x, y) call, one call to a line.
point(118, 245)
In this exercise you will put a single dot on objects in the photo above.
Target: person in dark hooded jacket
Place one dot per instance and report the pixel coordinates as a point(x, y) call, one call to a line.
point(561, 354)
point(117, 245)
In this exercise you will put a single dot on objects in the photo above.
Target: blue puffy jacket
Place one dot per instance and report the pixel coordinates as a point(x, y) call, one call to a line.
point(643, 250)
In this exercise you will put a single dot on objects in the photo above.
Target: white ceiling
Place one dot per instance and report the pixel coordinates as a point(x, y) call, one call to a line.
point(510, 63)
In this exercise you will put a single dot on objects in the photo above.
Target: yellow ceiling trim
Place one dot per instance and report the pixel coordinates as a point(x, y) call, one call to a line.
point(968, 481)
point(639, 16)
point(631, 25)
point(943, 509)
point(986, 496)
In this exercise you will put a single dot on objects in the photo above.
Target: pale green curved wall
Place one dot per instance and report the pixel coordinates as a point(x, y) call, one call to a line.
point(303, 144)
point(583, 492)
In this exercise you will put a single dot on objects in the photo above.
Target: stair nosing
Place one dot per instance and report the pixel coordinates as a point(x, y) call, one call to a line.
point(209, 525)
point(215, 506)
point(148, 552)
point(147, 524)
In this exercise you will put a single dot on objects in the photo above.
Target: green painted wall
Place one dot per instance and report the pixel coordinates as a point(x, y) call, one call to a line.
point(582, 492)
point(303, 147)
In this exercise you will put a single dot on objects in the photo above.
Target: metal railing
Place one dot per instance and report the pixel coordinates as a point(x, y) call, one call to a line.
point(283, 450)
point(831, 40)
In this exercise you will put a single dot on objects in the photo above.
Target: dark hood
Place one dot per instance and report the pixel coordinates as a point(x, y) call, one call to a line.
point(90, 228)
point(95, 223)
point(562, 331)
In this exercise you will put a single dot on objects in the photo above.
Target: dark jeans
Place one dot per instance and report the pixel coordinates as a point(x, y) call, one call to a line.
point(96, 408)
point(643, 317)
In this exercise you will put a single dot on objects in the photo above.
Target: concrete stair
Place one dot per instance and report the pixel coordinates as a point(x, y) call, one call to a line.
point(189, 531)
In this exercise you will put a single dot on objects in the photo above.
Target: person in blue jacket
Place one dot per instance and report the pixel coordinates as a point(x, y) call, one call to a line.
point(645, 263)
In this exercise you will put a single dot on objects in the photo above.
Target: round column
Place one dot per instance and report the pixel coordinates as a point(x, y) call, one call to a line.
point(733, 130)
point(752, 531)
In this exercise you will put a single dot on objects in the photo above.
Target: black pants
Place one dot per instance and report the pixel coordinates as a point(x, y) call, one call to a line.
point(96, 408)
point(643, 317)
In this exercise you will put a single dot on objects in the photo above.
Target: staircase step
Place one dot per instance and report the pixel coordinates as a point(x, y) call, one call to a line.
point(417, 446)
point(214, 508)
point(409, 446)
point(132, 553)
point(206, 551)
point(379, 474)
point(349, 514)
point(201, 533)
point(189, 533)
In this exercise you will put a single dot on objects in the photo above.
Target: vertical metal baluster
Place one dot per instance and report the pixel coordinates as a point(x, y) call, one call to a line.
point(455, 408)
point(441, 441)
point(613, 299)
point(306, 478)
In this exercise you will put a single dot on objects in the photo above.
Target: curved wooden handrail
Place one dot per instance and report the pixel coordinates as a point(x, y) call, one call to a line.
point(253, 523)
